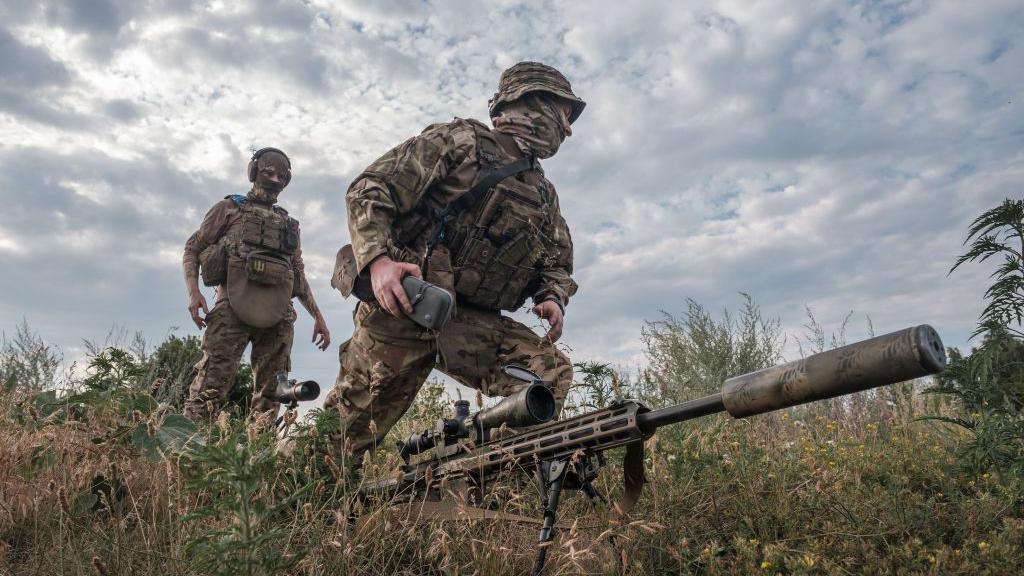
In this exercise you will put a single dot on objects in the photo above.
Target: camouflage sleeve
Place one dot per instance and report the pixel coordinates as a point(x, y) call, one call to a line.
point(209, 232)
point(396, 182)
point(556, 277)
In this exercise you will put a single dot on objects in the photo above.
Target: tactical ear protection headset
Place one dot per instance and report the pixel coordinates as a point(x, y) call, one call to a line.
point(253, 167)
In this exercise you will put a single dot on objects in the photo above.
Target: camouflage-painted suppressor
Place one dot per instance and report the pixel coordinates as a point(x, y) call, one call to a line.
point(896, 357)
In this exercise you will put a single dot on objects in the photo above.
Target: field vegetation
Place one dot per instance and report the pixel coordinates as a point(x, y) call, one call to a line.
point(100, 474)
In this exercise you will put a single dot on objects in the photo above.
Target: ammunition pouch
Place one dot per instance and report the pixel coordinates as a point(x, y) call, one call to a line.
point(277, 232)
point(213, 264)
point(497, 256)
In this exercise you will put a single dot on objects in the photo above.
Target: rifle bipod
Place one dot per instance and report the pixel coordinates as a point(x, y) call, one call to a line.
point(574, 473)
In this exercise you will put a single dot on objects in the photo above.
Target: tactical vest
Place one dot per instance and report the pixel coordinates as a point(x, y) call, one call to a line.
point(495, 247)
point(258, 247)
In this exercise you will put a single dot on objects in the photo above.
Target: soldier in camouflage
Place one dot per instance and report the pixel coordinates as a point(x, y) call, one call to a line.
point(248, 247)
point(510, 246)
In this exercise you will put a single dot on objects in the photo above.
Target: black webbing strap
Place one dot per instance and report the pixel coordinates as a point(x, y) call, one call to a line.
point(475, 195)
point(633, 479)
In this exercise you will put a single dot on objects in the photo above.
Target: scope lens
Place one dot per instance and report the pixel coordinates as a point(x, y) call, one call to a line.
point(540, 402)
point(310, 390)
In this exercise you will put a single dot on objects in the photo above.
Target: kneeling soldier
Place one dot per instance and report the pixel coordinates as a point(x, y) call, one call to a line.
point(468, 206)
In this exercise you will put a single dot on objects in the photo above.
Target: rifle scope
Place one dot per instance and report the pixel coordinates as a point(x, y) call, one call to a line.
point(532, 405)
point(298, 392)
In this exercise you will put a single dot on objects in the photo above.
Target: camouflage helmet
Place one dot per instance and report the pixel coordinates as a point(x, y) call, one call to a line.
point(526, 77)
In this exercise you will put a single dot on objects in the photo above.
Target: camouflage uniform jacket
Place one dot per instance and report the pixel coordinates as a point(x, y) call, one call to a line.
point(512, 245)
point(222, 218)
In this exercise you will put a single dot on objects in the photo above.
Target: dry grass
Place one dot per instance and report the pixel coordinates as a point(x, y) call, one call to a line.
point(790, 493)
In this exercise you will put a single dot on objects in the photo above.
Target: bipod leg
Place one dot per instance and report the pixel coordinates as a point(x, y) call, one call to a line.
point(279, 423)
point(551, 479)
point(593, 494)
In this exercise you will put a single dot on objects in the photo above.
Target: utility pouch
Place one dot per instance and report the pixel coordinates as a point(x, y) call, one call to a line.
point(268, 268)
point(213, 264)
point(431, 305)
point(475, 256)
point(346, 278)
point(439, 268)
point(259, 289)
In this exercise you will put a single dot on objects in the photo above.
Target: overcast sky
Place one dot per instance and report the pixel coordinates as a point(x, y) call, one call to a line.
point(825, 154)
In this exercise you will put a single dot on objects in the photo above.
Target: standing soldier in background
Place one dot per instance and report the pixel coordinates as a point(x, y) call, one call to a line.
point(469, 207)
point(248, 247)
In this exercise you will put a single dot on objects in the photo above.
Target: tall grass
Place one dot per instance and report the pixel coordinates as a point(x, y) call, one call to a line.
point(99, 480)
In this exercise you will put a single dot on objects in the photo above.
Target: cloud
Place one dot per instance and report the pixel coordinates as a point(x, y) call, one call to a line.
point(29, 67)
point(121, 109)
point(828, 155)
point(100, 17)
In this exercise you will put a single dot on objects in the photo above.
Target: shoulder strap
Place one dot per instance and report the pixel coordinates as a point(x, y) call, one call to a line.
point(238, 199)
point(474, 195)
point(489, 180)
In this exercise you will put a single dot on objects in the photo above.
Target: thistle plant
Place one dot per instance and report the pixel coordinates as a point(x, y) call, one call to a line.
point(245, 528)
point(999, 232)
point(989, 382)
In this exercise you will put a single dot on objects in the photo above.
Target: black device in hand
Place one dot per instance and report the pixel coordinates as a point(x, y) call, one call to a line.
point(431, 304)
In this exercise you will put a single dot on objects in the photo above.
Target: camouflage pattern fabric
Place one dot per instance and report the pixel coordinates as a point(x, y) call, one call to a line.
point(389, 204)
point(223, 344)
point(534, 123)
point(526, 77)
point(510, 246)
point(226, 218)
point(387, 359)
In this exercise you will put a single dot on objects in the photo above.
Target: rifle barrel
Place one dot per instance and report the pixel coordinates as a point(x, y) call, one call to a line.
point(897, 357)
point(651, 421)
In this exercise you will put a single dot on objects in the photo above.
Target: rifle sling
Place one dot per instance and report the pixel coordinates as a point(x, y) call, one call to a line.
point(475, 194)
point(633, 479)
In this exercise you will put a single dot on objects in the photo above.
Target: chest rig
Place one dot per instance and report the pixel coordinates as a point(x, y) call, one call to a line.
point(260, 278)
point(494, 231)
point(263, 229)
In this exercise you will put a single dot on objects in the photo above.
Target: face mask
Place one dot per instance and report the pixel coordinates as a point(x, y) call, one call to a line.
point(536, 124)
point(265, 190)
point(263, 195)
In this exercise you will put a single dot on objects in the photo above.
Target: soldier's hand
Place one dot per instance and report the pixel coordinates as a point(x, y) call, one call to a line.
point(386, 276)
point(195, 302)
point(550, 311)
point(321, 335)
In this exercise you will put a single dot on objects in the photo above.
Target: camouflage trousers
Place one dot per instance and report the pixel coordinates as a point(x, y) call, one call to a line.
point(388, 359)
point(223, 344)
